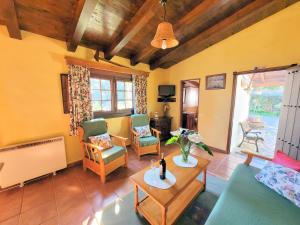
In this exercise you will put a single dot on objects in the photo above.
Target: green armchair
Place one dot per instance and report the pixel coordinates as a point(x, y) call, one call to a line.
point(143, 145)
point(101, 162)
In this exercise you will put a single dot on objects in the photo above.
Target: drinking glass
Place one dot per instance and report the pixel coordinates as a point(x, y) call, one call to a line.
point(152, 163)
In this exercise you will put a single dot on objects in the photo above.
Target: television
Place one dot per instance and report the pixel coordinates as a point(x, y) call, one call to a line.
point(166, 90)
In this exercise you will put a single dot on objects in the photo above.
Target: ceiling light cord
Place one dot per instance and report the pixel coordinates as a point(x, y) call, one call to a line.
point(164, 3)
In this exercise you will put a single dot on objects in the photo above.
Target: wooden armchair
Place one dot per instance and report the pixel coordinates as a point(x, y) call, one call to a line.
point(143, 145)
point(101, 162)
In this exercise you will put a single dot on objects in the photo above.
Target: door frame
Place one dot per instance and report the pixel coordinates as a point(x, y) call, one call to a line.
point(181, 99)
point(233, 93)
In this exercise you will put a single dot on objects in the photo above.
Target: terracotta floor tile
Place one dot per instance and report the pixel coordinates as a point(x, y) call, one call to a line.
point(98, 202)
point(11, 221)
point(39, 214)
point(37, 193)
point(10, 203)
point(53, 221)
point(80, 213)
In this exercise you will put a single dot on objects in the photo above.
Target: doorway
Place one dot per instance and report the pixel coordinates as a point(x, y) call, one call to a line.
point(189, 104)
point(257, 103)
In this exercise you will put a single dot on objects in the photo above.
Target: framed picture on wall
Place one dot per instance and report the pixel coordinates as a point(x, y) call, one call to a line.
point(217, 81)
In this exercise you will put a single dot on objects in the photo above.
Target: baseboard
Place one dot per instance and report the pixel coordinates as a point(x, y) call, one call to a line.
point(218, 150)
point(76, 163)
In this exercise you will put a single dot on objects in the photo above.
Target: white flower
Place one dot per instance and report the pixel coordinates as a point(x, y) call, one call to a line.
point(178, 131)
point(195, 138)
point(175, 133)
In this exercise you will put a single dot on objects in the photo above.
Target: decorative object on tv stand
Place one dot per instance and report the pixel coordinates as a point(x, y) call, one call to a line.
point(186, 139)
point(217, 81)
point(166, 108)
point(166, 92)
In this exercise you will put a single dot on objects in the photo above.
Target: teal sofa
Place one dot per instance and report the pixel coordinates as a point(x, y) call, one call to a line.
point(245, 201)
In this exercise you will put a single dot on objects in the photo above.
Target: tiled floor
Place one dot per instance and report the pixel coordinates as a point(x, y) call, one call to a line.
point(77, 197)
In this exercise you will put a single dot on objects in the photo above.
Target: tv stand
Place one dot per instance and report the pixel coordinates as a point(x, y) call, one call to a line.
point(166, 99)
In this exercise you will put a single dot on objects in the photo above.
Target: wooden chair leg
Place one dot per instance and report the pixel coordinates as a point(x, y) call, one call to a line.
point(102, 173)
point(102, 178)
point(158, 148)
point(126, 160)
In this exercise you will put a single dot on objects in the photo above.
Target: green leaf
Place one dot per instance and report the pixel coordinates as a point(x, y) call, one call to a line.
point(172, 140)
point(205, 148)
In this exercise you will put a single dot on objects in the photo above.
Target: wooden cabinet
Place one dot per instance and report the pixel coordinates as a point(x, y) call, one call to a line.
point(163, 124)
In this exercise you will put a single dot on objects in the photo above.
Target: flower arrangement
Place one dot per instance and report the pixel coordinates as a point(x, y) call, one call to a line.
point(186, 139)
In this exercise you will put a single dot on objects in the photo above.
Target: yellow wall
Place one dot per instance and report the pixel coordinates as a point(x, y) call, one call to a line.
point(274, 41)
point(30, 92)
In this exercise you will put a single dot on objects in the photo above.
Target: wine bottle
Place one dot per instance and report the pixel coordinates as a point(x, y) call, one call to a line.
point(163, 167)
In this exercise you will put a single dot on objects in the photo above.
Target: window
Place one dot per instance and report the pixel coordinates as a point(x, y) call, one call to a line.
point(124, 95)
point(101, 95)
point(111, 96)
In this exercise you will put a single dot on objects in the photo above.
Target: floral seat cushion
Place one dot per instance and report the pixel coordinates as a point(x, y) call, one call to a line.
point(102, 140)
point(283, 180)
point(143, 131)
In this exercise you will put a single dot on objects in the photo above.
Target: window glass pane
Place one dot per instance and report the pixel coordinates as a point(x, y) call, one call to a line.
point(106, 95)
point(106, 105)
point(95, 94)
point(121, 105)
point(121, 95)
point(128, 86)
point(120, 85)
point(129, 104)
point(128, 95)
point(105, 84)
point(95, 83)
point(96, 105)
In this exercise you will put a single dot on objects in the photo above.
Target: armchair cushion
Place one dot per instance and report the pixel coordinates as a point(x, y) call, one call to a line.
point(102, 140)
point(147, 141)
point(113, 153)
point(143, 131)
point(138, 120)
point(93, 127)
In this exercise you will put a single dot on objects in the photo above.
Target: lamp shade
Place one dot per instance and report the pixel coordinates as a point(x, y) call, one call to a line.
point(164, 37)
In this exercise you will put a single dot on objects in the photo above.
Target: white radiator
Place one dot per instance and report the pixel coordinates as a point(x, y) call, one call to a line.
point(19, 163)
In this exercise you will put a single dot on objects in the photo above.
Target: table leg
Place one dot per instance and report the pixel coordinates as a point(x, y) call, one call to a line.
point(136, 197)
point(163, 215)
point(204, 179)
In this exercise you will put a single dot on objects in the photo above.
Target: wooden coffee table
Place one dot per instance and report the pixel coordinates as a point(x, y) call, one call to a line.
point(165, 206)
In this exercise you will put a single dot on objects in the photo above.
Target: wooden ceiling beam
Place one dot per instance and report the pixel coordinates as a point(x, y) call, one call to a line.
point(180, 25)
point(245, 17)
point(83, 14)
point(140, 19)
point(104, 66)
point(11, 19)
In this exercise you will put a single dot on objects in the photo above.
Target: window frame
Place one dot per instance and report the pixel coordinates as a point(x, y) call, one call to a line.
point(113, 81)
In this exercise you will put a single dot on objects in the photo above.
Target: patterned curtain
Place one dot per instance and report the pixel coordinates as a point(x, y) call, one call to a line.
point(140, 93)
point(79, 96)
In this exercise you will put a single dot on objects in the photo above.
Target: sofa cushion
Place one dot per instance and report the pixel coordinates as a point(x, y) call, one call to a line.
point(138, 120)
point(246, 201)
point(113, 153)
point(147, 141)
point(283, 159)
point(283, 180)
point(93, 127)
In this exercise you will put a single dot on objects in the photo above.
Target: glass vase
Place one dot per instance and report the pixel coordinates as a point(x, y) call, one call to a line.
point(185, 155)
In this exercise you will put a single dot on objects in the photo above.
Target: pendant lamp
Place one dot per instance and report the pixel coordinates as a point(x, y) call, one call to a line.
point(164, 37)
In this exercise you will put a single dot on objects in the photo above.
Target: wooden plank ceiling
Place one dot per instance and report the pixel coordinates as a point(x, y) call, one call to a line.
point(126, 27)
